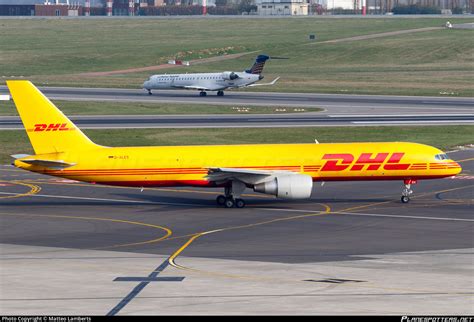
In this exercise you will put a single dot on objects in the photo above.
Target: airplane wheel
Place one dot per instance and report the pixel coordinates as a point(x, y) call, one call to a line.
point(149, 93)
point(220, 93)
point(239, 203)
point(229, 203)
point(202, 94)
point(405, 199)
point(220, 200)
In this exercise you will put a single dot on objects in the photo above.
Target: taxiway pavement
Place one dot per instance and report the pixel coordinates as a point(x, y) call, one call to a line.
point(75, 248)
point(242, 121)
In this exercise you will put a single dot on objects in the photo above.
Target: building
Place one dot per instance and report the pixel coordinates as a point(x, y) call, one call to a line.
point(58, 10)
point(282, 7)
point(17, 10)
point(344, 4)
point(61, 10)
point(151, 3)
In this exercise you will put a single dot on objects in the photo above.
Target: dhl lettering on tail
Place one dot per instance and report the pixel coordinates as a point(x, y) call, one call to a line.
point(51, 127)
point(344, 161)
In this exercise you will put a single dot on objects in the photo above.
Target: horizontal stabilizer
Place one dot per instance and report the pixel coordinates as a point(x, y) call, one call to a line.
point(19, 156)
point(52, 164)
point(265, 84)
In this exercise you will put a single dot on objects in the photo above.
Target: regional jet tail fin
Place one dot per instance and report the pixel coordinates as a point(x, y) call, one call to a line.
point(48, 129)
point(257, 67)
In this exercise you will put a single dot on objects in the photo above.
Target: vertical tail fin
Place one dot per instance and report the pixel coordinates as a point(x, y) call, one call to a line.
point(257, 67)
point(48, 129)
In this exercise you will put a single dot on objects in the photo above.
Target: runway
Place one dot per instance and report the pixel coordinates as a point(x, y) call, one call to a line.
point(338, 110)
point(333, 103)
point(242, 121)
point(74, 248)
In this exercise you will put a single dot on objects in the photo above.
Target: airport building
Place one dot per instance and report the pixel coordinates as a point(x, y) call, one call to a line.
point(282, 7)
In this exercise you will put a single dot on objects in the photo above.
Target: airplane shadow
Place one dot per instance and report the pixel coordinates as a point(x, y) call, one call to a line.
point(180, 202)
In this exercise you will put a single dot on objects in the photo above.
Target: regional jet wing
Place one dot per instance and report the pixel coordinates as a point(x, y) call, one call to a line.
point(201, 88)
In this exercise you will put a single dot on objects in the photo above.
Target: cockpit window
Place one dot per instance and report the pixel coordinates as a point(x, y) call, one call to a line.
point(441, 156)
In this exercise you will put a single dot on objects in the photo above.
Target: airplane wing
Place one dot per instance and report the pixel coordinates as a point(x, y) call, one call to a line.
point(264, 84)
point(200, 88)
point(250, 176)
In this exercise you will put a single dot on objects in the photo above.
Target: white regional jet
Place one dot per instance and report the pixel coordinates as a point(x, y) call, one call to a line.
point(210, 81)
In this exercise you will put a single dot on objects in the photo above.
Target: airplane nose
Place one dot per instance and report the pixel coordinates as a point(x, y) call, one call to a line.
point(458, 167)
point(145, 84)
point(454, 168)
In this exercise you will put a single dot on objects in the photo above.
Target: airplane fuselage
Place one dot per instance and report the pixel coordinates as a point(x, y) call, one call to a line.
point(188, 165)
point(201, 81)
point(283, 170)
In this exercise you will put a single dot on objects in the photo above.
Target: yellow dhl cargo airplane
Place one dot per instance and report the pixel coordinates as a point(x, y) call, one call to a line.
point(284, 170)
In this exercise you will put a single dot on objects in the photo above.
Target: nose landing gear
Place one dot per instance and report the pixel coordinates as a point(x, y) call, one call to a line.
point(407, 192)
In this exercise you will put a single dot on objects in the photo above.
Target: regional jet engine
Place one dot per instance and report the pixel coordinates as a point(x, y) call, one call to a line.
point(287, 186)
point(229, 75)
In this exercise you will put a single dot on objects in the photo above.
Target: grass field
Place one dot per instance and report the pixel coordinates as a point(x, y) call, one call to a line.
point(54, 51)
point(444, 137)
point(137, 108)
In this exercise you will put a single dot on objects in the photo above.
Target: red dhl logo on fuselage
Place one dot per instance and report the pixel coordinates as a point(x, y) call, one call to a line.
point(51, 127)
point(344, 161)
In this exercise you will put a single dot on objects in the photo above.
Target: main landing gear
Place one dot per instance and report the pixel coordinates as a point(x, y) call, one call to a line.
point(232, 195)
point(220, 93)
point(202, 93)
point(407, 192)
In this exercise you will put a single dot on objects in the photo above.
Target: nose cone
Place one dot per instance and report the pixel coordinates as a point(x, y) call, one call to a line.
point(450, 168)
point(146, 85)
point(455, 167)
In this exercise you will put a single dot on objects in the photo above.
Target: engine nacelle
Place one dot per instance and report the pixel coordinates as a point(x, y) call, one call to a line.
point(287, 186)
point(229, 75)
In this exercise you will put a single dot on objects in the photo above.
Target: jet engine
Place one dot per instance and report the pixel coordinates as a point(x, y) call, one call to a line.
point(287, 186)
point(229, 75)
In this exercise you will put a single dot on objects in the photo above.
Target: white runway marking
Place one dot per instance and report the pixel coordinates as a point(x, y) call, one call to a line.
point(109, 200)
point(413, 122)
point(404, 217)
point(266, 209)
point(368, 215)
